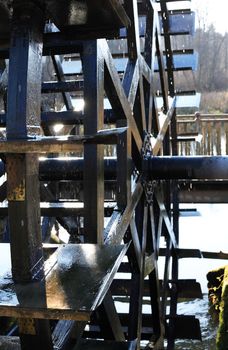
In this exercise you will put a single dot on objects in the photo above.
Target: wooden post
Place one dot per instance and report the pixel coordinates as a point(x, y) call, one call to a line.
point(93, 69)
point(24, 94)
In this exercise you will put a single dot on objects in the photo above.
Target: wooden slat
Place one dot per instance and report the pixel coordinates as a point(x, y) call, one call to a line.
point(186, 288)
point(93, 181)
point(157, 143)
point(82, 283)
point(122, 99)
point(186, 327)
point(166, 219)
point(58, 209)
point(59, 144)
point(90, 344)
point(118, 235)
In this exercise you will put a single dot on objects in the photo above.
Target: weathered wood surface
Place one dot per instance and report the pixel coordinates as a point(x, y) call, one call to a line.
point(59, 144)
point(77, 278)
point(88, 344)
point(94, 16)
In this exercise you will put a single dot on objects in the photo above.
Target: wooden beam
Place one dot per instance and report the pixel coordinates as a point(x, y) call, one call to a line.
point(59, 144)
point(23, 110)
point(124, 223)
point(93, 69)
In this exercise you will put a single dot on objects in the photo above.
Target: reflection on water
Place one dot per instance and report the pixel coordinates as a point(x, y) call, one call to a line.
point(208, 323)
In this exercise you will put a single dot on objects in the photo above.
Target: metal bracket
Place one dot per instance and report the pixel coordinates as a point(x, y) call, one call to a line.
point(149, 186)
point(147, 145)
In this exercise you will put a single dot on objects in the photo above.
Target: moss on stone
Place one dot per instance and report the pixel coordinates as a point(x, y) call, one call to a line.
point(222, 335)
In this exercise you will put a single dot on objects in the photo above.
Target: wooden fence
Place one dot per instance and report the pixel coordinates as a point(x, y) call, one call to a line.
point(203, 134)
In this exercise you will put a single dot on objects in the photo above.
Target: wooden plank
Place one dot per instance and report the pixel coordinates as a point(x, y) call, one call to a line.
point(166, 219)
point(187, 289)
point(131, 80)
point(184, 253)
point(82, 283)
point(164, 85)
point(93, 181)
point(133, 54)
point(108, 319)
point(65, 332)
point(118, 235)
point(66, 86)
point(136, 242)
point(23, 121)
point(168, 51)
point(186, 327)
point(59, 144)
point(153, 281)
point(124, 106)
point(157, 143)
point(91, 344)
point(133, 30)
point(58, 209)
point(110, 14)
point(123, 168)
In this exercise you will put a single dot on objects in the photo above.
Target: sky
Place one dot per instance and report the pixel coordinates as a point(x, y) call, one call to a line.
point(215, 12)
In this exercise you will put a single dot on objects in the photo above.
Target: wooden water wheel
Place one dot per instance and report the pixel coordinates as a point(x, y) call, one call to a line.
point(111, 55)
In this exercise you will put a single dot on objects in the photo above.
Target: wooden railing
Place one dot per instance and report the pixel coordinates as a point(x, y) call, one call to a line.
point(203, 134)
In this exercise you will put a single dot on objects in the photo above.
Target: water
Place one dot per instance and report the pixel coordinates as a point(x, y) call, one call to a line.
point(208, 324)
point(207, 230)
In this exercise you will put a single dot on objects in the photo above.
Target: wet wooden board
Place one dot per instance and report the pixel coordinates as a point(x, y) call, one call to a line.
point(77, 279)
point(92, 13)
point(52, 209)
point(89, 344)
point(188, 289)
point(96, 15)
point(59, 144)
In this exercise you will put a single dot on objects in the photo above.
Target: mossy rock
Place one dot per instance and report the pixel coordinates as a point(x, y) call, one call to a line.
point(215, 283)
point(222, 335)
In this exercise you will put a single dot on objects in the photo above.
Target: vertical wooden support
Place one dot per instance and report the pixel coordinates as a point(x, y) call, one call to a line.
point(123, 167)
point(175, 267)
point(24, 217)
point(131, 8)
point(150, 55)
point(158, 325)
point(23, 121)
point(24, 91)
point(24, 94)
point(93, 69)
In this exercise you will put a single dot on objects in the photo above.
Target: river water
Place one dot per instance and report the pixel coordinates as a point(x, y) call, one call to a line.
point(205, 229)
point(208, 324)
